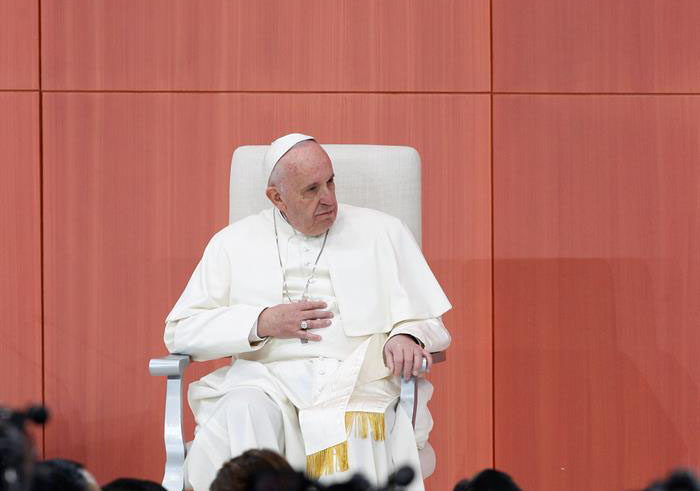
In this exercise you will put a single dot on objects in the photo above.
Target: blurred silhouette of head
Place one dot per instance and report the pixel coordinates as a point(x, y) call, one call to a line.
point(62, 475)
point(240, 473)
point(488, 480)
point(126, 484)
point(679, 480)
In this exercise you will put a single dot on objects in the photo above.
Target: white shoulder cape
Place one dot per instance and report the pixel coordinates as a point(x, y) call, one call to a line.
point(378, 272)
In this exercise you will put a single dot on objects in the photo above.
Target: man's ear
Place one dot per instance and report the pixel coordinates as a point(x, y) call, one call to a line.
point(273, 195)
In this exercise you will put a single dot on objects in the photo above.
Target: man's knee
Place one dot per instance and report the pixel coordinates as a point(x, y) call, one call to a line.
point(252, 405)
point(244, 418)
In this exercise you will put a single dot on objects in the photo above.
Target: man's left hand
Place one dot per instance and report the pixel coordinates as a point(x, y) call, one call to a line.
point(404, 356)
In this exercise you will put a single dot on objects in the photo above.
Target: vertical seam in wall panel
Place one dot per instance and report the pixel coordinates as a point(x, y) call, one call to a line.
point(41, 228)
point(493, 258)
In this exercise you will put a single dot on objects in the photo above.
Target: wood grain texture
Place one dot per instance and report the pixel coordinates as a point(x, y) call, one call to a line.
point(596, 46)
point(267, 45)
point(19, 44)
point(20, 251)
point(135, 184)
point(597, 228)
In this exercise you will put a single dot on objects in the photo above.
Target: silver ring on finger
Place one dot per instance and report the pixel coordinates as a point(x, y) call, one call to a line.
point(304, 325)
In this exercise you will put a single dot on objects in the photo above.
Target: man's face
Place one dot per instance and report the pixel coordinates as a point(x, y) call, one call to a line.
point(306, 194)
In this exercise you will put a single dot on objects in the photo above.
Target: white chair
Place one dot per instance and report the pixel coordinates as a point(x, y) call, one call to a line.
point(385, 178)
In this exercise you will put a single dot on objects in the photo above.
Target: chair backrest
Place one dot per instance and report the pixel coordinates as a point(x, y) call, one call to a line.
point(386, 178)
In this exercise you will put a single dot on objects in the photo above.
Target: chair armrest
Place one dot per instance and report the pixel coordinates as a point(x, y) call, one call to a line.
point(408, 399)
point(173, 367)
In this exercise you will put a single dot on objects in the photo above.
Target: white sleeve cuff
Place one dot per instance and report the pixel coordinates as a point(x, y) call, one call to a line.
point(253, 336)
point(430, 333)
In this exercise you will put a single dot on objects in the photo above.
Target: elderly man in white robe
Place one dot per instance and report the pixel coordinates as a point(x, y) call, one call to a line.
point(323, 306)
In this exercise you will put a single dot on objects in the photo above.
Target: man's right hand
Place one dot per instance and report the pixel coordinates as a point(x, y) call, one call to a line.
point(283, 321)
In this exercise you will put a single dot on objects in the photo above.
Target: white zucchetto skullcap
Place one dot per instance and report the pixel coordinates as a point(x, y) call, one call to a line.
point(279, 147)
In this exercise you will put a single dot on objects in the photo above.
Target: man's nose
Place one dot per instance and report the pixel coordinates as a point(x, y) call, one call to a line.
point(327, 196)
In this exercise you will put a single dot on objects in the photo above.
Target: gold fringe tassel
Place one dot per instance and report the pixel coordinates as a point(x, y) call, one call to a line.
point(327, 461)
point(335, 459)
point(362, 422)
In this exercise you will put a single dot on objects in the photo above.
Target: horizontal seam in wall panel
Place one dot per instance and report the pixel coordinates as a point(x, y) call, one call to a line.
point(348, 92)
point(52, 91)
point(601, 93)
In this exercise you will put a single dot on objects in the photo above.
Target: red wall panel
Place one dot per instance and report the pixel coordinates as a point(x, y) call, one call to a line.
point(19, 44)
point(134, 186)
point(271, 45)
point(596, 46)
point(595, 209)
point(20, 251)
point(597, 226)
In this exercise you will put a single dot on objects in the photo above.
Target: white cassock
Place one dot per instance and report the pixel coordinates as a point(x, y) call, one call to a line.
point(330, 406)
